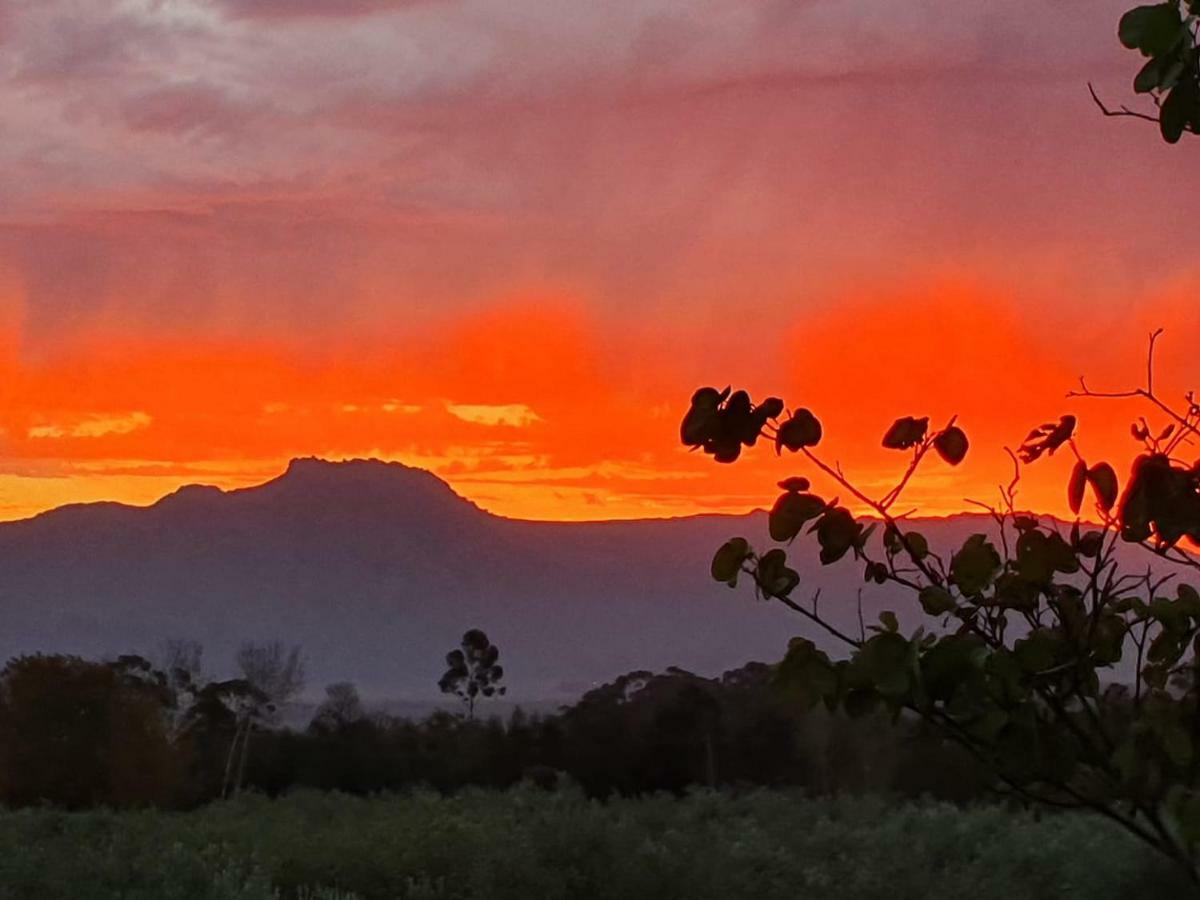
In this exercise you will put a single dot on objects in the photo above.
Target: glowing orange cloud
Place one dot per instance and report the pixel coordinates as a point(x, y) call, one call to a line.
point(534, 408)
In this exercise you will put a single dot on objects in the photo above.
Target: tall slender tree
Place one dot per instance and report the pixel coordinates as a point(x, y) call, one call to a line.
point(275, 676)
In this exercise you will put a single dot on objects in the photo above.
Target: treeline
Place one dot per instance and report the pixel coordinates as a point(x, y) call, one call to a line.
point(79, 733)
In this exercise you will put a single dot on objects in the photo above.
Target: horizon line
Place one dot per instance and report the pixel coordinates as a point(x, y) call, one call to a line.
point(291, 465)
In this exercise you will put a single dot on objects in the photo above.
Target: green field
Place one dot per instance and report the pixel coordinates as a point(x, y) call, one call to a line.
point(533, 845)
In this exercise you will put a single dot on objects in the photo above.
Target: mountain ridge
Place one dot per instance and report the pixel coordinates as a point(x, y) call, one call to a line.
point(300, 469)
point(377, 568)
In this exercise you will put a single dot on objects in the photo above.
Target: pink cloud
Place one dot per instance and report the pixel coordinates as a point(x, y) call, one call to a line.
point(57, 43)
point(642, 154)
point(302, 9)
point(189, 108)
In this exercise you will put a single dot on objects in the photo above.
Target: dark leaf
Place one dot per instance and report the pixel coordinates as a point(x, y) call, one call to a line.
point(1076, 486)
point(1146, 477)
point(728, 560)
point(1161, 499)
point(975, 565)
point(1154, 30)
point(738, 404)
point(1104, 482)
point(837, 533)
point(1046, 439)
point(951, 445)
point(885, 661)
point(1091, 544)
point(1014, 590)
point(790, 512)
point(1177, 111)
point(801, 430)
point(1107, 639)
point(906, 432)
point(917, 546)
point(475, 640)
point(1040, 555)
point(739, 420)
point(771, 407)
point(936, 600)
point(1039, 651)
point(1188, 601)
point(724, 449)
point(1149, 77)
point(795, 484)
point(773, 576)
point(702, 418)
point(891, 541)
point(912, 542)
point(1033, 558)
point(876, 572)
point(951, 665)
point(1062, 555)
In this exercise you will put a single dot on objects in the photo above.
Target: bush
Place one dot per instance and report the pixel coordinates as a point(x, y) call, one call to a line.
point(489, 845)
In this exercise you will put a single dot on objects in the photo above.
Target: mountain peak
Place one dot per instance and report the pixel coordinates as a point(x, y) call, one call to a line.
point(313, 471)
point(315, 466)
point(191, 493)
point(362, 479)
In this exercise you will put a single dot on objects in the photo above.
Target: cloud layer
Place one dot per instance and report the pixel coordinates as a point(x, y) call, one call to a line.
point(232, 198)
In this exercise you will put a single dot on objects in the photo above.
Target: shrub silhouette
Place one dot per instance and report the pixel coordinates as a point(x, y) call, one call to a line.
point(1024, 622)
point(342, 708)
point(77, 733)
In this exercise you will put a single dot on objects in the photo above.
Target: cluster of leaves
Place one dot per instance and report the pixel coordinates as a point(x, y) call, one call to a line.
point(1165, 33)
point(722, 423)
point(473, 670)
point(837, 531)
point(1162, 502)
point(1030, 624)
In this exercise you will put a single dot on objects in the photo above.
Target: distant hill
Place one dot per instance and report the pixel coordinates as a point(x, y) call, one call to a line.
point(377, 569)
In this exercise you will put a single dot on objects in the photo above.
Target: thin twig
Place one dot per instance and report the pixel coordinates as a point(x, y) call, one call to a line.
point(1123, 111)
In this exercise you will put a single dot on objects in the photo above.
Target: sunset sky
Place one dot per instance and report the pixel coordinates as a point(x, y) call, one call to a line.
point(505, 240)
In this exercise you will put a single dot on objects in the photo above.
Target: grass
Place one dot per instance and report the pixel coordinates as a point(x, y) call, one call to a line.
point(482, 845)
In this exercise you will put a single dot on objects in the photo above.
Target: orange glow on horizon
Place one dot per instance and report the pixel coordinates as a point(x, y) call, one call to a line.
point(534, 409)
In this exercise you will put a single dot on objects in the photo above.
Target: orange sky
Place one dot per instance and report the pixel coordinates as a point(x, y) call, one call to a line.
point(479, 238)
point(534, 409)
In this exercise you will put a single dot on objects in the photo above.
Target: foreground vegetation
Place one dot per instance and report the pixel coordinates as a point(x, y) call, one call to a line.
point(1030, 629)
point(527, 843)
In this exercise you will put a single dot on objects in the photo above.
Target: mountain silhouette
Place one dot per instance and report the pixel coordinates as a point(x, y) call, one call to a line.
point(377, 568)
